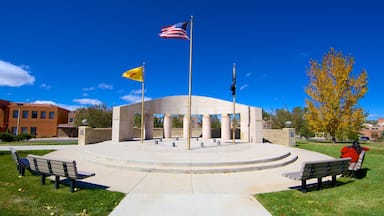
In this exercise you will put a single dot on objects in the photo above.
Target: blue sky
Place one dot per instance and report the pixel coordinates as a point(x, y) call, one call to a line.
point(72, 53)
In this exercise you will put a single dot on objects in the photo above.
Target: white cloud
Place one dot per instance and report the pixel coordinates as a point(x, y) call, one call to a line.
point(372, 116)
point(243, 86)
point(45, 86)
point(68, 107)
point(44, 102)
point(14, 76)
point(136, 92)
point(105, 86)
point(134, 97)
point(131, 99)
point(87, 101)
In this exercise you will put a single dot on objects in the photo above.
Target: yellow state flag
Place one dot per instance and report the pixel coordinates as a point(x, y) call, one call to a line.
point(134, 74)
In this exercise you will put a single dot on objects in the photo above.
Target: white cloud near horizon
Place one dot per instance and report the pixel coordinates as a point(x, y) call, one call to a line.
point(373, 115)
point(68, 107)
point(14, 76)
point(88, 101)
point(134, 97)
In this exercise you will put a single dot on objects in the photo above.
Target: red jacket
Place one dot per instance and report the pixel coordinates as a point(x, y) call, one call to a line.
point(350, 152)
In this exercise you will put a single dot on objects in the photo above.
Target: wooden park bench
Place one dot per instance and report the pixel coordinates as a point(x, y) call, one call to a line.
point(320, 169)
point(354, 168)
point(58, 168)
point(21, 163)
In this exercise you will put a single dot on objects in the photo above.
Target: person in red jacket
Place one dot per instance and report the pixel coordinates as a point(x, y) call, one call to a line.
point(353, 151)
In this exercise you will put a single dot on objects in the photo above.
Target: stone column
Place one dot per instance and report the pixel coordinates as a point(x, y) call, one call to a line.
point(122, 123)
point(206, 126)
point(82, 137)
point(167, 125)
point(148, 126)
point(186, 125)
point(225, 127)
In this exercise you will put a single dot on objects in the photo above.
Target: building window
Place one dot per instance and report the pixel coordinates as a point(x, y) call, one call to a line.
point(51, 115)
point(24, 130)
point(34, 114)
point(25, 114)
point(71, 120)
point(14, 130)
point(43, 114)
point(33, 131)
point(15, 113)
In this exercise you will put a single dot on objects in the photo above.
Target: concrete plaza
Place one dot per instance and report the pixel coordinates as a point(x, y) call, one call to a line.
point(167, 179)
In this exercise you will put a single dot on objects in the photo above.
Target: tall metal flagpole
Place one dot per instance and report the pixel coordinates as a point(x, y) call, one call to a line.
point(142, 105)
point(190, 85)
point(234, 102)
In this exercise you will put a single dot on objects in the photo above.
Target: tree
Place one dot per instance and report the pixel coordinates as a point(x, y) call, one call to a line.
point(333, 93)
point(215, 121)
point(158, 121)
point(137, 120)
point(280, 117)
point(177, 121)
point(98, 116)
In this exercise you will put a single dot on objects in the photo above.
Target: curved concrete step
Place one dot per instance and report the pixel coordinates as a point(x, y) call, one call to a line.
point(194, 167)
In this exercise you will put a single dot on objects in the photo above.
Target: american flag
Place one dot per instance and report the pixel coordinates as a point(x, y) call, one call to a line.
point(178, 30)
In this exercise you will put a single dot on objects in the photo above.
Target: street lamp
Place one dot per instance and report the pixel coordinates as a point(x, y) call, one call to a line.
point(288, 124)
point(18, 117)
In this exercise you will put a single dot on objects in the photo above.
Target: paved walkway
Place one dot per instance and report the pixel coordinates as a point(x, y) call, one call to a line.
point(150, 193)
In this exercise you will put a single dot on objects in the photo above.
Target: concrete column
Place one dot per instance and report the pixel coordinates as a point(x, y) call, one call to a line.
point(167, 125)
point(225, 127)
point(256, 125)
point(148, 126)
point(186, 125)
point(291, 138)
point(206, 126)
point(122, 123)
point(82, 137)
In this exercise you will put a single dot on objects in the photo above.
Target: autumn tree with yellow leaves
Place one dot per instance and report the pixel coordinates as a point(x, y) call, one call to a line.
point(334, 91)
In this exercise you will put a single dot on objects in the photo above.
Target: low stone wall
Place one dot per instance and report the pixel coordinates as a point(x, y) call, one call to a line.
point(89, 135)
point(286, 136)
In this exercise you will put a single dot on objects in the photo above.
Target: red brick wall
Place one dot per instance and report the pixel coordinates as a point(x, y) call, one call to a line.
point(45, 127)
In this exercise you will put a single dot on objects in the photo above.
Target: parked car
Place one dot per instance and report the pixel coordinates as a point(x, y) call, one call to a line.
point(364, 138)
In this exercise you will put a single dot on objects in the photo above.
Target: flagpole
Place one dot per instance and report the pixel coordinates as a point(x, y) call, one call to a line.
point(142, 106)
point(190, 85)
point(234, 102)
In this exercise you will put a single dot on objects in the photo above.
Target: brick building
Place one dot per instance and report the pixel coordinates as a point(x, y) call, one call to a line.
point(374, 132)
point(41, 120)
point(4, 114)
point(68, 129)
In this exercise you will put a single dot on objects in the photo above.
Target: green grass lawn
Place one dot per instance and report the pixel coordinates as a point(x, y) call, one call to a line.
point(26, 196)
point(26, 143)
point(350, 196)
